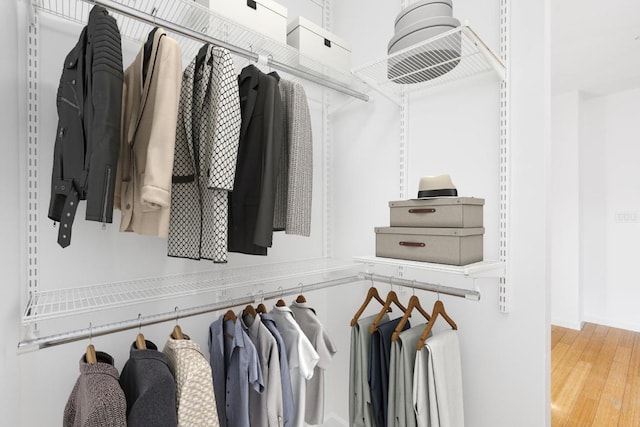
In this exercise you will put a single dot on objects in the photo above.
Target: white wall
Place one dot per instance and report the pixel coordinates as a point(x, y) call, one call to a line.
point(610, 182)
point(454, 129)
point(564, 211)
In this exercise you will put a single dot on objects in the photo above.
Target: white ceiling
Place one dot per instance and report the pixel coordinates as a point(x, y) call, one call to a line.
point(595, 45)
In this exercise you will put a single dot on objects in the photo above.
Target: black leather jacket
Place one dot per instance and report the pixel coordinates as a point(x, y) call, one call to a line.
point(89, 103)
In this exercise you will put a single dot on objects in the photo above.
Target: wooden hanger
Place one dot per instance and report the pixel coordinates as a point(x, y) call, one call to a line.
point(141, 343)
point(230, 315)
point(372, 294)
point(177, 333)
point(250, 310)
point(392, 298)
point(261, 309)
point(414, 302)
point(90, 354)
point(281, 303)
point(438, 309)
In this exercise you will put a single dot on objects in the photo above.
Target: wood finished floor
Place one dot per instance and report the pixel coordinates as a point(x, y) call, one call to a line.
point(595, 377)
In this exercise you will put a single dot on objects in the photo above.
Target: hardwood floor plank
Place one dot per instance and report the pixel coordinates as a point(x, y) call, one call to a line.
point(568, 393)
point(595, 377)
point(610, 404)
point(586, 405)
point(557, 333)
point(630, 411)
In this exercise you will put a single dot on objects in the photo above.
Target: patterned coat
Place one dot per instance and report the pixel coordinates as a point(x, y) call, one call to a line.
point(204, 165)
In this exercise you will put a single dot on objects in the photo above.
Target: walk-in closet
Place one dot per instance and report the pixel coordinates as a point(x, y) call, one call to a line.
point(387, 119)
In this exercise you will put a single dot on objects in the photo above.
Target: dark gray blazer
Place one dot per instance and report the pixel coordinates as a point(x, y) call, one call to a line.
point(149, 388)
point(252, 201)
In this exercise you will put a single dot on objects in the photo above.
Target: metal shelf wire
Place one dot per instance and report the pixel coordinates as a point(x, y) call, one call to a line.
point(64, 302)
point(448, 57)
point(477, 269)
point(191, 24)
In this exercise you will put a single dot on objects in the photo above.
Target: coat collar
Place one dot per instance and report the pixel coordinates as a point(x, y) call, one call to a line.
point(248, 81)
point(143, 88)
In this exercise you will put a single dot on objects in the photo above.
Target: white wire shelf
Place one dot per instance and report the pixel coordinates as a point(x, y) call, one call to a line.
point(454, 55)
point(477, 269)
point(64, 302)
point(191, 24)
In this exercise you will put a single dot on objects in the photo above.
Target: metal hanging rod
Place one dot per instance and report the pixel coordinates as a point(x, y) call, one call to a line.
point(446, 290)
point(197, 36)
point(110, 328)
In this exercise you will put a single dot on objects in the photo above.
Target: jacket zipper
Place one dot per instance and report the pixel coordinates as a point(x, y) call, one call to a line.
point(70, 103)
point(106, 197)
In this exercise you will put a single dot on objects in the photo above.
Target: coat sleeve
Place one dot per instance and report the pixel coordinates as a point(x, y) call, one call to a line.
point(156, 186)
point(272, 145)
point(275, 413)
point(226, 122)
point(104, 120)
point(300, 184)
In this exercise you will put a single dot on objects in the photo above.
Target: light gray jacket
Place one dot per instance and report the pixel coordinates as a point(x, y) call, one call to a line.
point(295, 175)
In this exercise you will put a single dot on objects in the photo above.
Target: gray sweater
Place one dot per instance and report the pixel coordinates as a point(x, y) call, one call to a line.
point(149, 388)
point(96, 399)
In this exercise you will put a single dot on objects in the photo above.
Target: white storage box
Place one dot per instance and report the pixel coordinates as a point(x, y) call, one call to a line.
point(266, 17)
point(319, 44)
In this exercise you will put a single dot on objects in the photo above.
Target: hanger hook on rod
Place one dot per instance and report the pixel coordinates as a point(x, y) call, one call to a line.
point(261, 293)
point(281, 289)
point(139, 322)
point(177, 314)
point(391, 282)
point(301, 287)
point(413, 286)
point(90, 333)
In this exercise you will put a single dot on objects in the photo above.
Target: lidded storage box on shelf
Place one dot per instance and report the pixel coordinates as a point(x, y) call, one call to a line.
point(315, 42)
point(266, 17)
point(445, 230)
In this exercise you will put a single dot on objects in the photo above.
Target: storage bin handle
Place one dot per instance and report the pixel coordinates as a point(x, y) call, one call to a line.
point(422, 210)
point(412, 244)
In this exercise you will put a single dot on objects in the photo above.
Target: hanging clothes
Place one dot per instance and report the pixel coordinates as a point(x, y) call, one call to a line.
point(301, 356)
point(89, 103)
point(236, 368)
point(437, 382)
point(149, 388)
point(288, 409)
point(400, 412)
point(195, 399)
point(150, 111)
point(360, 406)
point(265, 409)
point(206, 152)
point(294, 185)
point(251, 205)
point(306, 317)
point(379, 359)
point(96, 398)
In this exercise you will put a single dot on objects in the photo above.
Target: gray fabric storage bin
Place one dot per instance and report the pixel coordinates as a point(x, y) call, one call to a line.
point(460, 212)
point(454, 246)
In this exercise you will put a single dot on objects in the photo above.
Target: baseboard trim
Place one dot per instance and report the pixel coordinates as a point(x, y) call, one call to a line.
point(570, 324)
point(612, 323)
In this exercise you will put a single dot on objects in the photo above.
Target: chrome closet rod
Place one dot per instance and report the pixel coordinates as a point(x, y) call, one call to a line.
point(446, 290)
point(110, 328)
point(188, 32)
